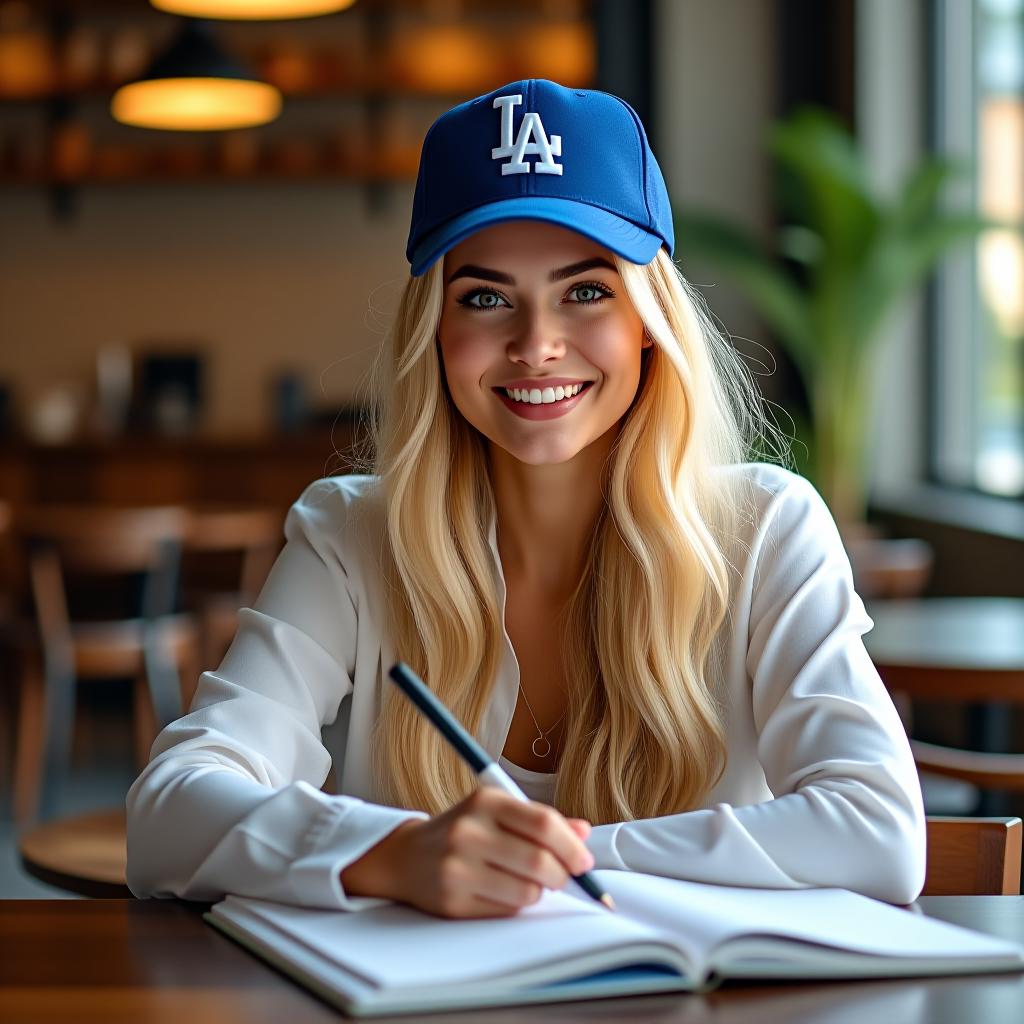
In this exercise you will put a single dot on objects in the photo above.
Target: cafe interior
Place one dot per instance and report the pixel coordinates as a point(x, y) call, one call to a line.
point(193, 289)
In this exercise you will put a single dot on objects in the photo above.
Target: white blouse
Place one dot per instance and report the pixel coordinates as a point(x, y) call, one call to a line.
point(819, 789)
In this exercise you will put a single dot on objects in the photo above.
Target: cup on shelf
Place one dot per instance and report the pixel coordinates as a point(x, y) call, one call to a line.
point(55, 416)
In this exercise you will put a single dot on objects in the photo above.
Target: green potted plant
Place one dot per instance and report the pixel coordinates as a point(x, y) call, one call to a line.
point(845, 255)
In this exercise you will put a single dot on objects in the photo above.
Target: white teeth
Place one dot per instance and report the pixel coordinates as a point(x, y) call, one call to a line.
point(537, 397)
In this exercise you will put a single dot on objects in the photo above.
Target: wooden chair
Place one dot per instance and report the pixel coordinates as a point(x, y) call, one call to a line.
point(986, 771)
point(973, 857)
point(974, 770)
point(154, 646)
point(7, 660)
point(251, 537)
point(889, 568)
point(967, 650)
point(83, 853)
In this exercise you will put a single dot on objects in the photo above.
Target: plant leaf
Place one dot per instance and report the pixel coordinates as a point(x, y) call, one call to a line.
point(813, 146)
point(922, 187)
point(908, 258)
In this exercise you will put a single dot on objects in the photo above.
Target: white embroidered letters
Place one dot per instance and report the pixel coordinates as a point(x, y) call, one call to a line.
point(530, 128)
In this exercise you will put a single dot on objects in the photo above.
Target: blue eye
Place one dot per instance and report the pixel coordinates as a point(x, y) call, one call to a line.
point(586, 293)
point(590, 292)
point(488, 299)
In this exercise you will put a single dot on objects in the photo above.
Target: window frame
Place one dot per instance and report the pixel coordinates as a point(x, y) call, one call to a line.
point(954, 304)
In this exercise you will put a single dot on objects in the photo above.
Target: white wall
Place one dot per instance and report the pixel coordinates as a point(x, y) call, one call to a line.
point(891, 103)
point(716, 94)
point(266, 278)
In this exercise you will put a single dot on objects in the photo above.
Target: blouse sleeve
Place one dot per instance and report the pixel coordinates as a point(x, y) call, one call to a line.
point(847, 808)
point(230, 800)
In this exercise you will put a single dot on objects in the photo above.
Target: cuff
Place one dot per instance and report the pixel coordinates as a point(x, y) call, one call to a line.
point(345, 830)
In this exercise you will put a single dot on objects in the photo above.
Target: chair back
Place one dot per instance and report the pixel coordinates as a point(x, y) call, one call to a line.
point(973, 857)
point(979, 768)
point(104, 539)
point(102, 587)
point(255, 533)
point(98, 541)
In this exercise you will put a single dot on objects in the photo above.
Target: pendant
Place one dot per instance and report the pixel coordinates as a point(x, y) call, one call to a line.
point(546, 750)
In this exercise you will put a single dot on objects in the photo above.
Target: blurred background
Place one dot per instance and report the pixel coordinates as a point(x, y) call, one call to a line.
point(203, 214)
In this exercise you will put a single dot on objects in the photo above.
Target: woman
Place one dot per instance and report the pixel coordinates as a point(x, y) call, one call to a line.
point(561, 534)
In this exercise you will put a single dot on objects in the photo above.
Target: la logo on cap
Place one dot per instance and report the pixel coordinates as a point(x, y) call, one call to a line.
point(532, 140)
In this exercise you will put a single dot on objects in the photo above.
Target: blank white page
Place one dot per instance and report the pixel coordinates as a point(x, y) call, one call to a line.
point(707, 915)
point(399, 946)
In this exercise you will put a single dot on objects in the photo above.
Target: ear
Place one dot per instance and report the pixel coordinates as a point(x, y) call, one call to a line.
point(648, 340)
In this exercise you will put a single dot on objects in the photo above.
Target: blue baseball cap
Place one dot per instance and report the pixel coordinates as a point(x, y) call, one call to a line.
point(535, 150)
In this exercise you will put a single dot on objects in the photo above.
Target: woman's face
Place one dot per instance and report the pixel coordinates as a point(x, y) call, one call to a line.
point(535, 306)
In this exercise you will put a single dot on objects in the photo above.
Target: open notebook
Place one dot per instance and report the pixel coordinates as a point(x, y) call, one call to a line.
point(667, 935)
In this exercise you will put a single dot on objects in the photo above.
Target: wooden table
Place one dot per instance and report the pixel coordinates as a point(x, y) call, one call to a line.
point(928, 646)
point(946, 648)
point(148, 961)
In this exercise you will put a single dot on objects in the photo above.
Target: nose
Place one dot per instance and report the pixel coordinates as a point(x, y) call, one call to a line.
point(536, 338)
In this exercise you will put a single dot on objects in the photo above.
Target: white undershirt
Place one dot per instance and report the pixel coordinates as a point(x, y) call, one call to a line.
point(538, 786)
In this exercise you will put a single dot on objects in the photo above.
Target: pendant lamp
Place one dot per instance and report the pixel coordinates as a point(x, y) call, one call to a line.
point(255, 9)
point(195, 86)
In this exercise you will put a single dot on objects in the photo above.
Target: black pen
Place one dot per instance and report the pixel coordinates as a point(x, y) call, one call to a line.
point(487, 770)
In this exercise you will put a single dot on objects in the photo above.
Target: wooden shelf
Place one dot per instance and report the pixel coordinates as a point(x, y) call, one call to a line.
point(353, 92)
point(211, 178)
point(374, 70)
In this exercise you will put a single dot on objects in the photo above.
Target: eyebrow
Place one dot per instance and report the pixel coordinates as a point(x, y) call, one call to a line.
point(498, 277)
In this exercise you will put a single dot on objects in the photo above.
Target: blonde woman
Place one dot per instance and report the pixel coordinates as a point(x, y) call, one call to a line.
point(561, 532)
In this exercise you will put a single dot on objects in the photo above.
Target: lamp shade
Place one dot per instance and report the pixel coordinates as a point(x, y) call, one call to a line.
point(195, 86)
point(251, 9)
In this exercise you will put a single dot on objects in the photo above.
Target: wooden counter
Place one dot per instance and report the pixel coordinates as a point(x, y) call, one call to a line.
point(271, 470)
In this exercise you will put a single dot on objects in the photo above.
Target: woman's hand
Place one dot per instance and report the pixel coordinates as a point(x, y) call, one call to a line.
point(488, 856)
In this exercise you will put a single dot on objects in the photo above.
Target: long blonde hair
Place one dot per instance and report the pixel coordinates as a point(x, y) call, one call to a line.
point(644, 733)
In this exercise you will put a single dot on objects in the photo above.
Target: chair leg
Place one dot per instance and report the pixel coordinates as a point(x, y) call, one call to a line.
point(162, 674)
point(189, 667)
point(8, 717)
point(144, 724)
point(28, 742)
point(59, 710)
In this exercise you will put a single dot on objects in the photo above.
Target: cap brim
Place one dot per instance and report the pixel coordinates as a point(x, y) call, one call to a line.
point(621, 236)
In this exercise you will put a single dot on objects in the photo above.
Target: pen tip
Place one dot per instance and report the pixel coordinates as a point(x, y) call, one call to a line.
point(608, 901)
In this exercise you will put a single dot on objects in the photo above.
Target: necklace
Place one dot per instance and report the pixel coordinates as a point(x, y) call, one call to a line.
point(542, 734)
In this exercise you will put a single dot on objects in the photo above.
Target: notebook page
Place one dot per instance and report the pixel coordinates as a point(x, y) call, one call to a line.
point(397, 946)
point(704, 916)
point(360, 998)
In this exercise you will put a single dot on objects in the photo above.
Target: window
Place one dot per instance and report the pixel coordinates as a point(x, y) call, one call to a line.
point(978, 313)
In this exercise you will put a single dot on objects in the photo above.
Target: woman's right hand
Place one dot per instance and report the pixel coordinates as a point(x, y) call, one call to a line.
point(488, 856)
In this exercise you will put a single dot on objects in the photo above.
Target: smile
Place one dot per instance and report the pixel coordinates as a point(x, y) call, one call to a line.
point(543, 410)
